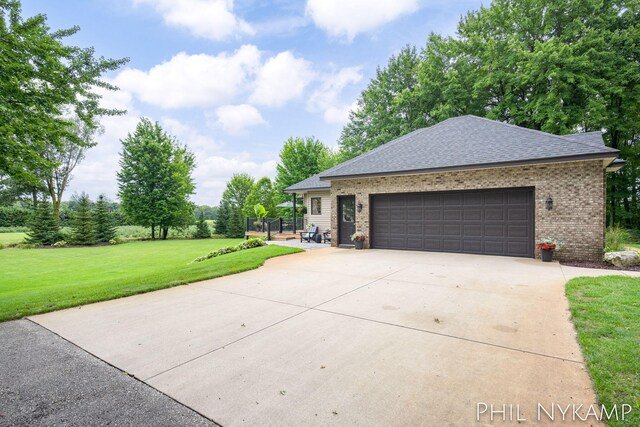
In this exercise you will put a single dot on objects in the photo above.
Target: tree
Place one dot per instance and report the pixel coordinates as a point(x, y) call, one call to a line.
point(64, 158)
point(155, 180)
point(222, 221)
point(559, 66)
point(82, 225)
point(40, 77)
point(103, 223)
point(386, 108)
point(299, 159)
point(43, 228)
point(202, 229)
point(261, 194)
point(234, 198)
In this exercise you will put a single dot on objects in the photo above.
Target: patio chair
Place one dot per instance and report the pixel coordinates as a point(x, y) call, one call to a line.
point(309, 235)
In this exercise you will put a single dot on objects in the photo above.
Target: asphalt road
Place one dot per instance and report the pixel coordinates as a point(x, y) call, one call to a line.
point(45, 380)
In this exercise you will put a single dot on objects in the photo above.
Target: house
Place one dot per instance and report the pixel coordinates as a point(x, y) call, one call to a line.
point(470, 185)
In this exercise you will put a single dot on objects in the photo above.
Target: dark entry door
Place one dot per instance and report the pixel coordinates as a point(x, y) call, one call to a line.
point(493, 222)
point(346, 219)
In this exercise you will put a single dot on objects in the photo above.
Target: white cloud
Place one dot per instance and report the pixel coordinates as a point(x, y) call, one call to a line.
point(348, 18)
point(281, 79)
point(189, 136)
point(193, 80)
point(326, 98)
point(235, 119)
point(211, 19)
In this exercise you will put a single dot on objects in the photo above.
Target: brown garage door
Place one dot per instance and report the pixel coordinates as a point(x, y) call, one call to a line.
point(493, 222)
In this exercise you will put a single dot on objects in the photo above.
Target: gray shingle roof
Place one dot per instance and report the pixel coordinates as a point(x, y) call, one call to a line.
point(311, 183)
point(469, 141)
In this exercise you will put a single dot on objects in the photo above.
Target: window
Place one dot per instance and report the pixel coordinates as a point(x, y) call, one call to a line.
point(316, 206)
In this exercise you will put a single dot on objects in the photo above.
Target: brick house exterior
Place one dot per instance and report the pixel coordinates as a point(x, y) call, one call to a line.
point(473, 185)
point(577, 218)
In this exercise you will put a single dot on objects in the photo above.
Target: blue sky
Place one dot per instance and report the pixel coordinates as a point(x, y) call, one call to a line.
point(234, 79)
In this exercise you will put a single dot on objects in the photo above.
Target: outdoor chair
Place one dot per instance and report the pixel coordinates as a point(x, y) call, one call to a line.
point(309, 235)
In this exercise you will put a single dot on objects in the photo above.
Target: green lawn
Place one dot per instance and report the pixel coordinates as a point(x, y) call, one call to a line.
point(41, 280)
point(10, 238)
point(606, 313)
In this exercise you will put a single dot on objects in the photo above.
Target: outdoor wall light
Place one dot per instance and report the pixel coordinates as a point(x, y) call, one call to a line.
point(359, 207)
point(549, 202)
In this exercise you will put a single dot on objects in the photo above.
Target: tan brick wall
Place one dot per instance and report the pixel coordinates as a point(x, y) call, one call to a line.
point(577, 217)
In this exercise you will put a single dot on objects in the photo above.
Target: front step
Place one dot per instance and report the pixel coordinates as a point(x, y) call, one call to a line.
point(283, 237)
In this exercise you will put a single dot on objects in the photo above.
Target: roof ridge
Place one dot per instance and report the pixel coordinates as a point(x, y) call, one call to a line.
point(522, 128)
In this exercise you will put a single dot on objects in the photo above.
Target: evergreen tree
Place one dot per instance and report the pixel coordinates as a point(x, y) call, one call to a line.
point(43, 227)
point(202, 228)
point(82, 230)
point(105, 229)
point(236, 227)
point(222, 222)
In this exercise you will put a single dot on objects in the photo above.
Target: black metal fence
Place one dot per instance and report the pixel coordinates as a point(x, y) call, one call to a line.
point(272, 226)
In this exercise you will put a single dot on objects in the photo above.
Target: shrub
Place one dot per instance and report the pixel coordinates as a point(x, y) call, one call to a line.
point(247, 244)
point(43, 228)
point(60, 244)
point(14, 217)
point(616, 239)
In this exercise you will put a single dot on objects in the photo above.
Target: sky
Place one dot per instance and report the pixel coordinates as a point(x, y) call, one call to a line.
point(233, 80)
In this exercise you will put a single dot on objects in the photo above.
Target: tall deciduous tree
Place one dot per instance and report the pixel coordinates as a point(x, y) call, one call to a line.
point(40, 77)
point(261, 194)
point(64, 158)
point(559, 66)
point(299, 159)
point(155, 180)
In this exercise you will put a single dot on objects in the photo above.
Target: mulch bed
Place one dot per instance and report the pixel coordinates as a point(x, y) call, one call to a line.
point(602, 265)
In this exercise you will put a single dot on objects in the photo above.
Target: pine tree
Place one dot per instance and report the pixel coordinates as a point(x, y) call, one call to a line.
point(202, 229)
point(222, 222)
point(236, 224)
point(82, 230)
point(103, 221)
point(43, 227)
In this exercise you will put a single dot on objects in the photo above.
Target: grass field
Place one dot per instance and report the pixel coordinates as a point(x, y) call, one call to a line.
point(41, 280)
point(606, 313)
point(11, 238)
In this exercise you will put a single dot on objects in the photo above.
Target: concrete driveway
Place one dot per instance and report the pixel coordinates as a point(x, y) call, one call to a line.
point(344, 337)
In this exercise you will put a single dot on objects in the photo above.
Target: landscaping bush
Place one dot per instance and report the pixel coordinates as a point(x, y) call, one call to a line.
point(248, 244)
point(616, 239)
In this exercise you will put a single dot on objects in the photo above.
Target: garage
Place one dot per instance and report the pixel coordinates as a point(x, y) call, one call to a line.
point(492, 222)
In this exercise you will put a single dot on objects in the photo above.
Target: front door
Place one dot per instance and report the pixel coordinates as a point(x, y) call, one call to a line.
point(346, 219)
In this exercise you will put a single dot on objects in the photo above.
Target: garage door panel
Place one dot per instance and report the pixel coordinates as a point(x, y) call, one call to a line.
point(472, 214)
point(415, 214)
point(431, 214)
point(415, 229)
point(452, 245)
point(473, 246)
point(432, 229)
point(452, 215)
point(472, 230)
point(414, 243)
point(517, 214)
point(494, 214)
point(497, 222)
